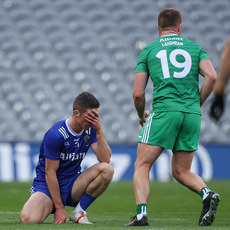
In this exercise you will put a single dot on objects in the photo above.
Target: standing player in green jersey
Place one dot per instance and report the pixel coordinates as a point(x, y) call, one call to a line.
point(173, 63)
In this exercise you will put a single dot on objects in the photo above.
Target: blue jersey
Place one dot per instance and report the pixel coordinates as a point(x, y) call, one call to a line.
point(62, 143)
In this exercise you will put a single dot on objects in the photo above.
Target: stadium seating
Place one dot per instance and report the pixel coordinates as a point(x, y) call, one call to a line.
point(53, 50)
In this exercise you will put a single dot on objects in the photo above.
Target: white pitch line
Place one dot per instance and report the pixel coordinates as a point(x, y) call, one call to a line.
point(7, 212)
point(165, 219)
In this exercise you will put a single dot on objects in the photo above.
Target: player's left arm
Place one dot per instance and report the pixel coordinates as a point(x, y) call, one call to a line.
point(101, 147)
point(207, 70)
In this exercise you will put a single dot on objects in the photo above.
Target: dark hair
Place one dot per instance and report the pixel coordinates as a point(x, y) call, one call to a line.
point(85, 101)
point(169, 17)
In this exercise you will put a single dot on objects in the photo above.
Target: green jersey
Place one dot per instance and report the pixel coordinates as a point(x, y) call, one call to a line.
point(172, 63)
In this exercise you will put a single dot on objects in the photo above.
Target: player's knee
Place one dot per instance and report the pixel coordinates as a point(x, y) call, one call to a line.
point(175, 174)
point(24, 218)
point(142, 165)
point(178, 174)
point(138, 165)
point(28, 218)
point(107, 171)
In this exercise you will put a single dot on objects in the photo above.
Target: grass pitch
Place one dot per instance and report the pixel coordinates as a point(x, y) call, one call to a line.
point(171, 206)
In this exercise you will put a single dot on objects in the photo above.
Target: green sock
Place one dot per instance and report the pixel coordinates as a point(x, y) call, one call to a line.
point(141, 210)
point(204, 192)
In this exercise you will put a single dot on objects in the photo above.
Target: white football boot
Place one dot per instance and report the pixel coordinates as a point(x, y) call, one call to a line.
point(79, 217)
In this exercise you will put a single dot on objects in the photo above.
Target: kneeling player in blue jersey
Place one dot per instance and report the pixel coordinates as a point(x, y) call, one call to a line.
point(59, 180)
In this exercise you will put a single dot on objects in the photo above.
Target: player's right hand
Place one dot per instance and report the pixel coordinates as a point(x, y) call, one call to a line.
point(143, 119)
point(93, 118)
point(217, 106)
point(60, 216)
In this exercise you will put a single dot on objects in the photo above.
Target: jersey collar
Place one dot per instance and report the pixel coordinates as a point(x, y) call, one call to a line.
point(70, 129)
point(172, 34)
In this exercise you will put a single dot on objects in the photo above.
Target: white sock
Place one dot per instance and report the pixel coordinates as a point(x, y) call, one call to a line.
point(205, 192)
point(78, 208)
point(143, 212)
point(139, 216)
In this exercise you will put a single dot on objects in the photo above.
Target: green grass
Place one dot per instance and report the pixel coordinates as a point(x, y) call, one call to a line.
point(171, 206)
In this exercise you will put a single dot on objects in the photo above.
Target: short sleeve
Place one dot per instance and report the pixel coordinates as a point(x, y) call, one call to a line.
point(52, 146)
point(142, 62)
point(203, 55)
point(93, 136)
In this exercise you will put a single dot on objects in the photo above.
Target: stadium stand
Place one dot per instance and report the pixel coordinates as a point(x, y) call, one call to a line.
point(53, 49)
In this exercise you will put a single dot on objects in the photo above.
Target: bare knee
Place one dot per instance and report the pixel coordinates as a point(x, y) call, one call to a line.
point(106, 171)
point(176, 174)
point(36, 209)
point(143, 166)
point(23, 217)
point(29, 218)
point(179, 174)
point(138, 165)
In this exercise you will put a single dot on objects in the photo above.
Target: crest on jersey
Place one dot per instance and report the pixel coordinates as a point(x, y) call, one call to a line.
point(86, 138)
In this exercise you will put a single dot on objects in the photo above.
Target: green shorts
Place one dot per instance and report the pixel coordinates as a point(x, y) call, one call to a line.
point(172, 130)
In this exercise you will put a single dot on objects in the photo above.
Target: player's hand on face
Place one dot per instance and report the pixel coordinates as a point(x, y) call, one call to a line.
point(217, 107)
point(93, 118)
point(60, 216)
